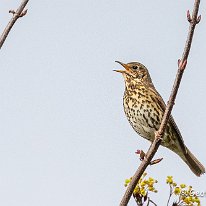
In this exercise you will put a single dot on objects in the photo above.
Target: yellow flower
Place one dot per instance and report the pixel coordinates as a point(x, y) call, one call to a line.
point(151, 182)
point(151, 179)
point(177, 190)
point(169, 180)
point(186, 200)
point(126, 182)
point(151, 189)
point(142, 184)
point(136, 190)
point(185, 195)
point(197, 200)
point(143, 192)
point(182, 185)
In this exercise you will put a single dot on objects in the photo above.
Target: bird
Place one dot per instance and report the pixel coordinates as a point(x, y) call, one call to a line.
point(144, 108)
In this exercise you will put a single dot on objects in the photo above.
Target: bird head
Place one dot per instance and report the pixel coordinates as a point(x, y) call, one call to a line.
point(135, 71)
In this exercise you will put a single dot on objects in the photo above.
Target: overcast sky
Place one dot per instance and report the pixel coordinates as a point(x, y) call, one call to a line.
point(64, 136)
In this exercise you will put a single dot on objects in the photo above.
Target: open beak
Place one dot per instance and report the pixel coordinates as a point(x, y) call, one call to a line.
point(124, 65)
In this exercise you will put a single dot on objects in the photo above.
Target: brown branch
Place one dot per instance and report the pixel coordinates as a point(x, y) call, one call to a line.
point(158, 135)
point(16, 14)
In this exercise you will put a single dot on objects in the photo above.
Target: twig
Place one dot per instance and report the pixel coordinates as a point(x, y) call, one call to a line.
point(16, 14)
point(158, 135)
point(149, 200)
point(169, 195)
point(152, 202)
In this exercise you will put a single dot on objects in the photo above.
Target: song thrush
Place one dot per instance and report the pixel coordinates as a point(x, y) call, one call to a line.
point(144, 108)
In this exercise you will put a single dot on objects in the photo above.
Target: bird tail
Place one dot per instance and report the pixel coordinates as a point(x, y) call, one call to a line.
point(193, 163)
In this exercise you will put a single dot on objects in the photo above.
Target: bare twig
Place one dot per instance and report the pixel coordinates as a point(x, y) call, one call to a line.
point(169, 196)
point(16, 14)
point(156, 161)
point(141, 154)
point(194, 20)
point(149, 200)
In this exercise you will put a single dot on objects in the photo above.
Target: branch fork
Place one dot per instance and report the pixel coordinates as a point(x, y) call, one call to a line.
point(23, 13)
point(20, 12)
point(143, 156)
point(191, 20)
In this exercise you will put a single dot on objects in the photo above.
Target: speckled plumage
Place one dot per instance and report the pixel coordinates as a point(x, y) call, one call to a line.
point(144, 108)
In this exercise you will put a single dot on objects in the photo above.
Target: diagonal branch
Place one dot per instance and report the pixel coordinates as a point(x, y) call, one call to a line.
point(16, 14)
point(194, 20)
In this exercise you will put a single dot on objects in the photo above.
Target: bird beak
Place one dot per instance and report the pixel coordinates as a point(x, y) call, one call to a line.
point(124, 65)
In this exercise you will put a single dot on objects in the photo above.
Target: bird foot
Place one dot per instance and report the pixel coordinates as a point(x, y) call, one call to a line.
point(158, 136)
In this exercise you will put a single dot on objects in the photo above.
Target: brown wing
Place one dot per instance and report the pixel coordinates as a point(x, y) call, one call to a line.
point(162, 105)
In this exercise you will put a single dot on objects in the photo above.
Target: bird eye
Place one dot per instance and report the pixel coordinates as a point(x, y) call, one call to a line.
point(134, 67)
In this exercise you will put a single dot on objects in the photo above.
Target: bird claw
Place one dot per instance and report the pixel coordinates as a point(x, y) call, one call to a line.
point(158, 135)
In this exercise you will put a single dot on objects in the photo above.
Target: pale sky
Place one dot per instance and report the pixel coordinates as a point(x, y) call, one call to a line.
point(64, 137)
